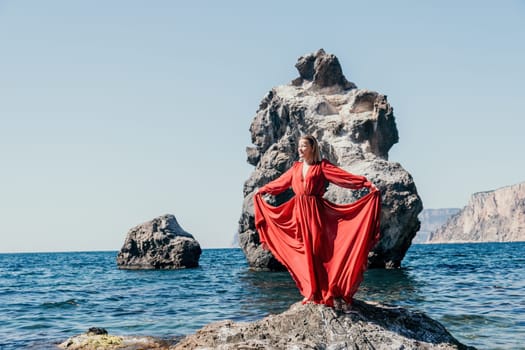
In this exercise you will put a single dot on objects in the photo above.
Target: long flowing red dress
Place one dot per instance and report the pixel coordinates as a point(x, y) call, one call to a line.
point(323, 245)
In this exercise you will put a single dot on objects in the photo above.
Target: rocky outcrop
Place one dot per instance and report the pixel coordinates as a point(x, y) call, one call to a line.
point(369, 326)
point(312, 326)
point(159, 244)
point(492, 216)
point(356, 128)
point(431, 220)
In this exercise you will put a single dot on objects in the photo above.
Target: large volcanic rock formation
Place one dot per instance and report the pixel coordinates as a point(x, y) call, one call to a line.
point(356, 128)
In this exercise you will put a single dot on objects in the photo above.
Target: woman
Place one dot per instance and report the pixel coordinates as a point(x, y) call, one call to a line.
point(323, 245)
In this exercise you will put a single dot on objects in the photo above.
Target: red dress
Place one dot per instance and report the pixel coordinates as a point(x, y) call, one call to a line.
point(323, 245)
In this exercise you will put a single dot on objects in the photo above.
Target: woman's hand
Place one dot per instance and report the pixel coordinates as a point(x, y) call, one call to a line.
point(370, 186)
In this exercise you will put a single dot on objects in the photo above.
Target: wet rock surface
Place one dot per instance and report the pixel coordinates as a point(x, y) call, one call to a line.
point(98, 339)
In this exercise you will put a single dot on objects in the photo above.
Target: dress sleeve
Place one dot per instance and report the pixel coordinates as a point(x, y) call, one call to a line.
point(281, 184)
point(343, 178)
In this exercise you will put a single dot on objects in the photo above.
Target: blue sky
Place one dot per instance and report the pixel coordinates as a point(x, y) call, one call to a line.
point(115, 112)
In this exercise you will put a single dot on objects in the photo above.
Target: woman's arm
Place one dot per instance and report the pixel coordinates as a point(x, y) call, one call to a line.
point(343, 178)
point(281, 184)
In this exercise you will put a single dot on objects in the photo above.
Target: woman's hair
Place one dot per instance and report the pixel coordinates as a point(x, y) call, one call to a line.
point(315, 146)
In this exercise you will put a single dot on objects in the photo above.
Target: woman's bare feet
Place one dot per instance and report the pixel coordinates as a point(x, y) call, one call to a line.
point(346, 308)
point(338, 304)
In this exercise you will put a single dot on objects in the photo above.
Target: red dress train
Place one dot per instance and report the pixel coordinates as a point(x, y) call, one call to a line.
point(323, 245)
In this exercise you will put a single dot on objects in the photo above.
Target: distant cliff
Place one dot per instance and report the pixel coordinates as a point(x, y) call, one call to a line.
point(492, 216)
point(431, 220)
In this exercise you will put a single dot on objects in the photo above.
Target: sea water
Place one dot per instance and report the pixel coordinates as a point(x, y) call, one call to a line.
point(476, 290)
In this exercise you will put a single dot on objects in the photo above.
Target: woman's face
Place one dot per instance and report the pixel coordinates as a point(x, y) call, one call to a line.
point(305, 149)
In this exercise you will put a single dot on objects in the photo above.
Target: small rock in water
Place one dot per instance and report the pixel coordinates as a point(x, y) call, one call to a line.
point(98, 338)
point(159, 244)
point(97, 331)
